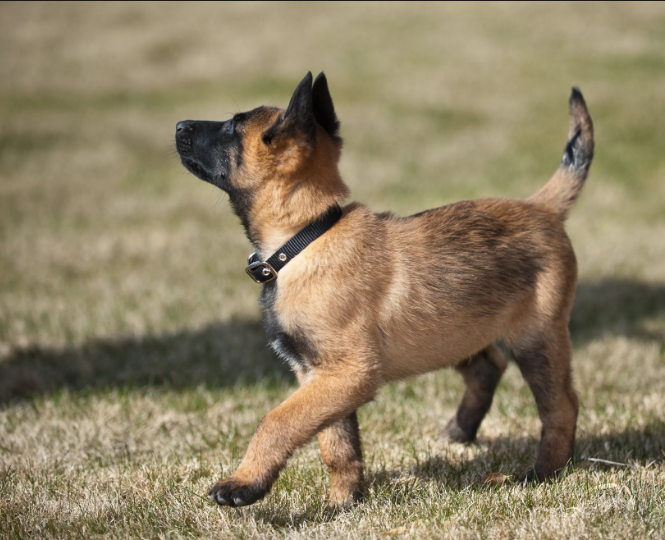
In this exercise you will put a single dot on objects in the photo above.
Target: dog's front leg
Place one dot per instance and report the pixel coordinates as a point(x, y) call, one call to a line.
point(320, 402)
point(341, 451)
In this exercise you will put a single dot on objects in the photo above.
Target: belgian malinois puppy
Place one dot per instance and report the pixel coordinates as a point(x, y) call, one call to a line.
point(353, 299)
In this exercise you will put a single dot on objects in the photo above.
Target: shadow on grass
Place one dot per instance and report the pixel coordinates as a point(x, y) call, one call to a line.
point(218, 355)
point(226, 354)
point(514, 456)
point(618, 307)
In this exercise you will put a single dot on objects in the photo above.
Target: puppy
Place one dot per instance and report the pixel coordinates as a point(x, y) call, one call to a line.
point(353, 299)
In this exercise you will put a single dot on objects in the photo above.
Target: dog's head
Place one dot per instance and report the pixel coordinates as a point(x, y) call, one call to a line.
point(278, 166)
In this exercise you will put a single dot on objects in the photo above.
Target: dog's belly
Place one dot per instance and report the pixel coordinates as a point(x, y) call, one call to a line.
point(409, 351)
point(427, 328)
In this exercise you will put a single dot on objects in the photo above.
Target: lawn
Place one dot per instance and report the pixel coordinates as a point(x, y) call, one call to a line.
point(133, 364)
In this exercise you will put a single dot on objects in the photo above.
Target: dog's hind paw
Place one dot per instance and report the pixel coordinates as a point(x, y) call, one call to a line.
point(453, 432)
point(532, 476)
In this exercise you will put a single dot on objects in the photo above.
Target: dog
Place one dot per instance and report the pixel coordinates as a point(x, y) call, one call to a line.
point(353, 300)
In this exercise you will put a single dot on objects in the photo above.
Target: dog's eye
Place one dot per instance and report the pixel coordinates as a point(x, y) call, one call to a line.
point(228, 128)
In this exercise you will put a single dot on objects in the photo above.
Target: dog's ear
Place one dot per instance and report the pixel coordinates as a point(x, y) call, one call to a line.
point(298, 120)
point(322, 104)
point(300, 112)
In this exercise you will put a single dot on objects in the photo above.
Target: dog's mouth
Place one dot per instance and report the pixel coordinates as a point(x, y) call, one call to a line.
point(196, 169)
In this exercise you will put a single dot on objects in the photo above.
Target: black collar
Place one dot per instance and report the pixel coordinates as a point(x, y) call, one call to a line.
point(262, 272)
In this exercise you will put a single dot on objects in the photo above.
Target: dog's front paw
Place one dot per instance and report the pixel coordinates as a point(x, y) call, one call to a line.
point(234, 492)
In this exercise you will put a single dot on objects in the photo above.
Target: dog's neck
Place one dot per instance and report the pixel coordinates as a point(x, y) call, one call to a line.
point(288, 209)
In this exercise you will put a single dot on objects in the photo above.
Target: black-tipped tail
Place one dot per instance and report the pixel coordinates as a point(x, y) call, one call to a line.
point(579, 150)
point(562, 190)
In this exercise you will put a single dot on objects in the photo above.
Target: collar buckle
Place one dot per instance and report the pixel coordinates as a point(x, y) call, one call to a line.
point(261, 272)
point(265, 271)
point(252, 258)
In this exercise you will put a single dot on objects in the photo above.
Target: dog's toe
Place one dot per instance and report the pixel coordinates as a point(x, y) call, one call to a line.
point(215, 496)
point(220, 500)
point(231, 492)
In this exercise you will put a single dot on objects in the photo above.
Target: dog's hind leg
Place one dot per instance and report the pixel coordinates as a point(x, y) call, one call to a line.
point(545, 364)
point(481, 373)
point(342, 453)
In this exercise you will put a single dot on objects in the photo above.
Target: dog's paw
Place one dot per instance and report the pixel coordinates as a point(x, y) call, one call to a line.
point(332, 508)
point(234, 492)
point(344, 498)
point(453, 432)
point(532, 476)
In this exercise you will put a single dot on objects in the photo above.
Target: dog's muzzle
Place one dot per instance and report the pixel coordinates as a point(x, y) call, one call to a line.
point(183, 139)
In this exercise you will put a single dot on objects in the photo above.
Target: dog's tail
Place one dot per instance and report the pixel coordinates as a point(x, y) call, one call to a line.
point(562, 190)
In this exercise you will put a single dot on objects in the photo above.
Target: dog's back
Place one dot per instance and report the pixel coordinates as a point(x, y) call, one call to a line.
point(470, 273)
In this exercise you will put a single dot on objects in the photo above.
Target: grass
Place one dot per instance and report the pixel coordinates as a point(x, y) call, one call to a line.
point(133, 367)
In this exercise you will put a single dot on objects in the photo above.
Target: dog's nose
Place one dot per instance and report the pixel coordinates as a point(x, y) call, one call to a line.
point(183, 126)
point(183, 137)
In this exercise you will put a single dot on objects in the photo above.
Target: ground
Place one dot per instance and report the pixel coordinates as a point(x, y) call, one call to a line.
point(133, 366)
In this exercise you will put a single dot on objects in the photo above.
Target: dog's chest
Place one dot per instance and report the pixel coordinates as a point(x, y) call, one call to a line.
point(291, 345)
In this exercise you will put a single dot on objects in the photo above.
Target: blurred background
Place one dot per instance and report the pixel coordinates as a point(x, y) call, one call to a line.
point(133, 365)
point(119, 267)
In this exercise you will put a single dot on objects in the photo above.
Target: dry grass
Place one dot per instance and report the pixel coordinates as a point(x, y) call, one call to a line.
point(133, 369)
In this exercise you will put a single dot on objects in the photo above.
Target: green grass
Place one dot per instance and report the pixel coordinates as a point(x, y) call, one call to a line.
point(133, 366)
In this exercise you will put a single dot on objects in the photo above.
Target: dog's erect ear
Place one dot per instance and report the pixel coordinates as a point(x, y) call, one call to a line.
point(298, 119)
point(322, 104)
point(299, 115)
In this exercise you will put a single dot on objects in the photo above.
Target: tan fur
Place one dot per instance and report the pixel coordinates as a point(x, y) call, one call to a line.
point(293, 183)
point(378, 298)
point(562, 190)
